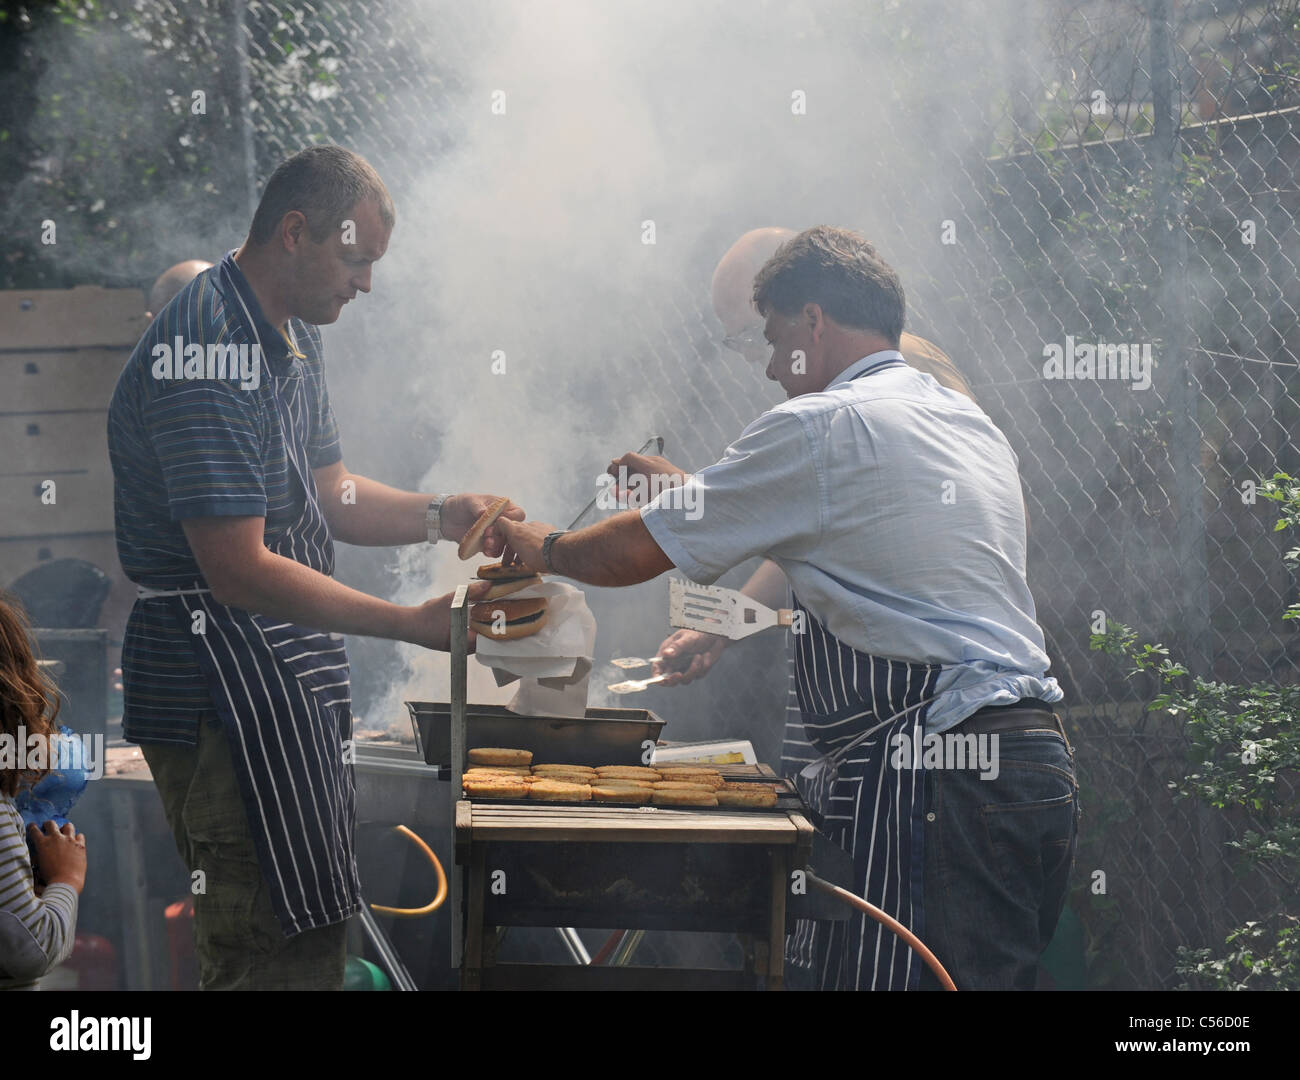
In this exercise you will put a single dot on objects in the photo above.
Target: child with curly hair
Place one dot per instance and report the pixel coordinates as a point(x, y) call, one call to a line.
point(38, 918)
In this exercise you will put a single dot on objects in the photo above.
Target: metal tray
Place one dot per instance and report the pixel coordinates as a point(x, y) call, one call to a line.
point(602, 737)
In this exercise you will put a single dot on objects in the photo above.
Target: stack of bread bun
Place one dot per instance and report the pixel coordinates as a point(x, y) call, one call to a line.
point(502, 620)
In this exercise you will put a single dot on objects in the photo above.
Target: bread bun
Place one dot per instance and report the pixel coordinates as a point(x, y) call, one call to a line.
point(695, 776)
point(495, 787)
point(626, 772)
point(486, 772)
point(680, 797)
point(630, 794)
point(523, 618)
point(605, 781)
point(758, 798)
point(472, 542)
point(495, 571)
point(499, 589)
point(563, 777)
point(499, 755)
point(558, 767)
point(556, 791)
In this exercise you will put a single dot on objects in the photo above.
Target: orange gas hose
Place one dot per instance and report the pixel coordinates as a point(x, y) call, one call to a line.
point(436, 902)
point(913, 942)
point(606, 950)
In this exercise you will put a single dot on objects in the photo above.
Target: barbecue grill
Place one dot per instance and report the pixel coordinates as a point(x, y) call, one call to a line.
point(600, 866)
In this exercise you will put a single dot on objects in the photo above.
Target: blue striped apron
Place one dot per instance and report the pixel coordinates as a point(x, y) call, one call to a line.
point(851, 706)
point(282, 693)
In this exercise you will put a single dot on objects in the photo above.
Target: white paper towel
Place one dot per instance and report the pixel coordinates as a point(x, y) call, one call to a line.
point(553, 665)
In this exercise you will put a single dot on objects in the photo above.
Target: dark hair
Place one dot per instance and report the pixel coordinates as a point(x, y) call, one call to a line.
point(840, 271)
point(28, 699)
point(322, 183)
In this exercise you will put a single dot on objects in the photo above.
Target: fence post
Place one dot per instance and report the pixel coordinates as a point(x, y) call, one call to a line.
point(1183, 399)
point(242, 116)
point(1169, 246)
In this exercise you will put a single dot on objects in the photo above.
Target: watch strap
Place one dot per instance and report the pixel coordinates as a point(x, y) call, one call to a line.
point(549, 543)
point(433, 519)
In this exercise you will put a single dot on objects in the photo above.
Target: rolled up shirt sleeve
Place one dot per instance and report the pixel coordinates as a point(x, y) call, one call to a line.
point(208, 439)
point(766, 496)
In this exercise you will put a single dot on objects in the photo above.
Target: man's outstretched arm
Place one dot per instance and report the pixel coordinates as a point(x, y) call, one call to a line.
point(617, 551)
point(367, 513)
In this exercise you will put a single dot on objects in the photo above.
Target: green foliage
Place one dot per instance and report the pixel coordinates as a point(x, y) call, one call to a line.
point(1262, 957)
point(1244, 757)
point(101, 132)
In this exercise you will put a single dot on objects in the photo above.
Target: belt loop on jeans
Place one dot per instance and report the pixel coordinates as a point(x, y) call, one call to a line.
point(1060, 726)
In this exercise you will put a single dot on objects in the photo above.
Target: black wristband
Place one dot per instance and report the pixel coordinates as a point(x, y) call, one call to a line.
point(547, 544)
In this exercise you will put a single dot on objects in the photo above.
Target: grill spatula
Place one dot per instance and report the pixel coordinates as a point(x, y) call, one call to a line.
point(725, 612)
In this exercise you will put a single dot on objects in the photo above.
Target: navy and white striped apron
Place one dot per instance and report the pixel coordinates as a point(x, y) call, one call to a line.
point(282, 693)
point(851, 707)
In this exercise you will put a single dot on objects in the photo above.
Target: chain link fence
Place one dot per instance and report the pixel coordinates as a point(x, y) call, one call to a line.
point(1117, 174)
point(1140, 189)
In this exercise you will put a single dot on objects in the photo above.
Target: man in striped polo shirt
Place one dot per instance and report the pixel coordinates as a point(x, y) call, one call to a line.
point(893, 507)
point(229, 492)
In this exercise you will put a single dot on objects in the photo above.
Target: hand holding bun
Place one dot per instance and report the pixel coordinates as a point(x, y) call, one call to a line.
point(472, 542)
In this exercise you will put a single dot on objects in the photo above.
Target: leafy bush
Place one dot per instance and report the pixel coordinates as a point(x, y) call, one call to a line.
point(1245, 754)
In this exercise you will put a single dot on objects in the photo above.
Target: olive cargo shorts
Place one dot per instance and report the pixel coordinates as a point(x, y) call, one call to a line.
point(237, 936)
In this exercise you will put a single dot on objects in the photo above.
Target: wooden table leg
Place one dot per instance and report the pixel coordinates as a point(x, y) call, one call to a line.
point(776, 936)
point(471, 970)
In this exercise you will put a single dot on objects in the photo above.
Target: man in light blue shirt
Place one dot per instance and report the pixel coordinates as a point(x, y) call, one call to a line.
point(893, 506)
point(863, 494)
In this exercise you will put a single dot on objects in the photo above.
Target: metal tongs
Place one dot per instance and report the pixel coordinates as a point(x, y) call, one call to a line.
point(653, 445)
point(635, 661)
point(633, 685)
point(711, 610)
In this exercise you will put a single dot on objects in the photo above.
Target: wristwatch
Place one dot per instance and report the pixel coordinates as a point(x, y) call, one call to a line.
point(433, 519)
point(547, 544)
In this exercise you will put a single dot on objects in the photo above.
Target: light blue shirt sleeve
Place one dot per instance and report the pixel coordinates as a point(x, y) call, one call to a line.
point(766, 496)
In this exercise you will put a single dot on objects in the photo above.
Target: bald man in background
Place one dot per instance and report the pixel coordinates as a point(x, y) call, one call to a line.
point(688, 654)
point(733, 284)
point(173, 280)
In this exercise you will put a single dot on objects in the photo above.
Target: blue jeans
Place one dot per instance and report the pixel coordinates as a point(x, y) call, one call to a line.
point(998, 855)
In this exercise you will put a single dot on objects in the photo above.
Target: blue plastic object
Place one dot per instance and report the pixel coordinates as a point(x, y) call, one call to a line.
point(53, 798)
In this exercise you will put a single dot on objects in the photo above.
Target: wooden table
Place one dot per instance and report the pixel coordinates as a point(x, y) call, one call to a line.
point(613, 867)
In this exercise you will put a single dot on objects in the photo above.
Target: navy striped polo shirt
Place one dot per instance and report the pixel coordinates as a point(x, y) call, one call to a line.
point(193, 431)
